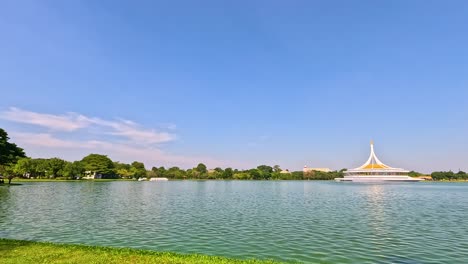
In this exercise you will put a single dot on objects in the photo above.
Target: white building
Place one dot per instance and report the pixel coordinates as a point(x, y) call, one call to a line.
point(376, 171)
point(91, 175)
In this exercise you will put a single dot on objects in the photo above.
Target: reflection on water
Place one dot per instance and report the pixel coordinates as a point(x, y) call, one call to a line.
point(302, 221)
point(5, 200)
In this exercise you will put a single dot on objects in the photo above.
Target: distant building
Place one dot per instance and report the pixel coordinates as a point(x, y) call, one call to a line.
point(306, 169)
point(285, 171)
point(91, 175)
point(376, 171)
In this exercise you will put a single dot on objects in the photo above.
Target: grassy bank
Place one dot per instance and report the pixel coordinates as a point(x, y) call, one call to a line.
point(19, 251)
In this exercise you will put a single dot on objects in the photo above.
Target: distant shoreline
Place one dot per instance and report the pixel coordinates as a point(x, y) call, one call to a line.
point(132, 180)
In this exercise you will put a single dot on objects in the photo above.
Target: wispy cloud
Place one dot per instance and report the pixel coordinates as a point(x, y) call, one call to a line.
point(72, 121)
point(47, 145)
point(67, 122)
point(121, 139)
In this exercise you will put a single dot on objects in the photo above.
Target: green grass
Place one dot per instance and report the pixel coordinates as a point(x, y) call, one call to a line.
point(19, 251)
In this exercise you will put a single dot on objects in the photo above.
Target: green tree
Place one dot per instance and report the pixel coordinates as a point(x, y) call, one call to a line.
point(23, 166)
point(8, 169)
point(414, 174)
point(123, 170)
point(9, 152)
point(138, 169)
point(72, 170)
point(97, 163)
point(255, 174)
point(175, 173)
point(228, 173)
point(40, 167)
point(242, 176)
point(124, 173)
point(265, 172)
point(54, 166)
point(277, 168)
point(151, 174)
point(161, 172)
point(201, 168)
point(217, 173)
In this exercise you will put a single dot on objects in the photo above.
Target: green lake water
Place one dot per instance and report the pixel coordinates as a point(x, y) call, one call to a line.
point(305, 221)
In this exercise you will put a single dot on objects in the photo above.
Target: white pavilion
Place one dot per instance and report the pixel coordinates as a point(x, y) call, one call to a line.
point(376, 171)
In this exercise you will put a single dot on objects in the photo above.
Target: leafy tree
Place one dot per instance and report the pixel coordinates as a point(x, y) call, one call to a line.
point(175, 173)
point(151, 174)
point(242, 176)
point(8, 170)
point(97, 163)
point(277, 168)
point(265, 172)
point(255, 174)
point(123, 170)
point(138, 169)
point(414, 174)
point(217, 173)
point(40, 167)
point(72, 170)
point(297, 175)
point(55, 165)
point(118, 165)
point(448, 175)
point(9, 152)
point(124, 173)
point(23, 166)
point(201, 168)
point(228, 173)
point(161, 171)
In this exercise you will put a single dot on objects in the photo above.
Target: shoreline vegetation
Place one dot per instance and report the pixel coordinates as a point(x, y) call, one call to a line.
point(15, 164)
point(24, 252)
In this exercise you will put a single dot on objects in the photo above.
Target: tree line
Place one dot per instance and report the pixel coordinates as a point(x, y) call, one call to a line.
point(14, 162)
point(96, 164)
point(449, 176)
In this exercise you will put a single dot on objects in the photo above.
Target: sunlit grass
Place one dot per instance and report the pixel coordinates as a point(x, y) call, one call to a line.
point(18, 251)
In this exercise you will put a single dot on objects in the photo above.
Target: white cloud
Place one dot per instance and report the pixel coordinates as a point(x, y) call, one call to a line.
point(124, 140)
point(42, 140)
point(72, 121)
point(46, 145)
point(67, 122)
point(134, 132)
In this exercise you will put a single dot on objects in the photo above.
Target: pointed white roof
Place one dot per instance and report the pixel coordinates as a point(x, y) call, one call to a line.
point(374, 165)
point(373, 162)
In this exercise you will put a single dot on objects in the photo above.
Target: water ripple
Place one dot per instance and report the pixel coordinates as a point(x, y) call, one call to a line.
point(304, 221)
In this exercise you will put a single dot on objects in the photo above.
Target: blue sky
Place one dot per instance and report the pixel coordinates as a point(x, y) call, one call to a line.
point(238, 83)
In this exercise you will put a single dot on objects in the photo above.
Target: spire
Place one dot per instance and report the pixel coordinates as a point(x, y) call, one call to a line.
point(373, 162)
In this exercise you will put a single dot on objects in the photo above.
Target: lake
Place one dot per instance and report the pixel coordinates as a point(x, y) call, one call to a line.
point(306, 221)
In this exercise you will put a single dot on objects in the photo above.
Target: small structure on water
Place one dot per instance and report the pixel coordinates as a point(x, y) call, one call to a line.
point(159, 179)
point(376, 171)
